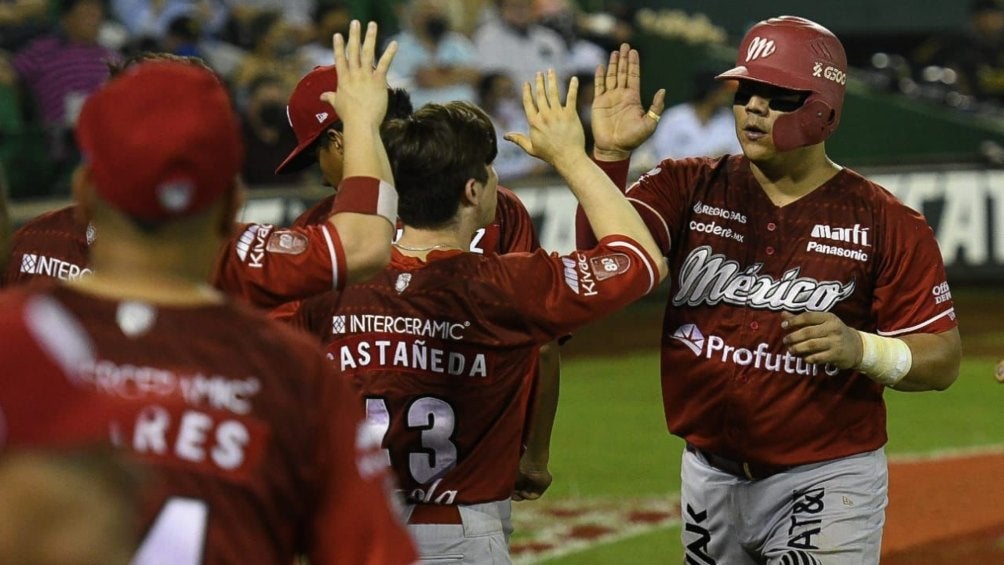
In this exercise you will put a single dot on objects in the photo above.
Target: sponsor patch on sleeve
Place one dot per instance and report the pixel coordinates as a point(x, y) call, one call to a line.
point(287, 242)
point(609, 266)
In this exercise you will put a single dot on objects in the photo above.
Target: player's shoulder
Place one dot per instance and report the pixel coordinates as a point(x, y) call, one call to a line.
point(269, 333)
point(876, 197)
point(316, 214)
point(62, 221)
point(509, 202)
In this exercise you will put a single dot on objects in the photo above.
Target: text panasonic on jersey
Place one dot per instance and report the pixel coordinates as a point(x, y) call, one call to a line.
point(711, 278)
point(715, 348)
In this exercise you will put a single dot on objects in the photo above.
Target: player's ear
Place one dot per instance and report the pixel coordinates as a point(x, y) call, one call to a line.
point(472, 189)
point(82, 187)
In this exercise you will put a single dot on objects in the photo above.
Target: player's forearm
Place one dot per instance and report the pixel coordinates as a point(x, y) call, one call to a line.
point(538, 442)
point(936, 361)
point(608, 212)
point(364, 152)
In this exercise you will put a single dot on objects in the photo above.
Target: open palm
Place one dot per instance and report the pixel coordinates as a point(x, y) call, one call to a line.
point(620, 122)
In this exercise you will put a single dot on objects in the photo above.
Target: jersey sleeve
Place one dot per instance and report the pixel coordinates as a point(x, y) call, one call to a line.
point(911, 290)
point(267, 266)
point(357, 521)
point(554, 294)
point(516, 226)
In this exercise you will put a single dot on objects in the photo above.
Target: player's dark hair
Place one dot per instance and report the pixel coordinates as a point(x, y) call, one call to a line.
point(433, 154)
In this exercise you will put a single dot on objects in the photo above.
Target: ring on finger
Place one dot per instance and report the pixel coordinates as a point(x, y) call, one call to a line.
point(654, 116)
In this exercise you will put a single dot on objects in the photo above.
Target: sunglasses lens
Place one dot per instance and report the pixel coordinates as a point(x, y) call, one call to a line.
point(785, 105)
point(741, 98)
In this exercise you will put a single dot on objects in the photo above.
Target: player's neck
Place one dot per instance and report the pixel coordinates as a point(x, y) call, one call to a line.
point(167, 274)
point(416, 242)
point(794, 174)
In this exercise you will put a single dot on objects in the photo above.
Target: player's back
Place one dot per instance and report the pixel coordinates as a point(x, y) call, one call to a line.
point(52, 245)
point(228, 413)
point(444, 353)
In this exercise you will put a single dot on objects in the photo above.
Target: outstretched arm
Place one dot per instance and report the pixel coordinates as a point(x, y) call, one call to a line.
point(365, 210)
point(620, 122)
point(556, 136)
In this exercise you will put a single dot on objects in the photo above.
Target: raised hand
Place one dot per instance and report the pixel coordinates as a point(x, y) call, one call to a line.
point(556, 134)
point(362, 88)
point(620, 123)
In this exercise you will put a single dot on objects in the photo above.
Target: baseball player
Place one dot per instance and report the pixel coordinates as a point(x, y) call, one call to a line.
point(442, 342)
point(319, 137)
point(258, 452)
point(802, 291)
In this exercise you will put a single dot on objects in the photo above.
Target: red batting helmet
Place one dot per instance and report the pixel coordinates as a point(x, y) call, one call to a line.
point(796, 54)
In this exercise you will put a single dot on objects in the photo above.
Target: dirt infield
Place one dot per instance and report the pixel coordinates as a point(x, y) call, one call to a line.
point(943, 511)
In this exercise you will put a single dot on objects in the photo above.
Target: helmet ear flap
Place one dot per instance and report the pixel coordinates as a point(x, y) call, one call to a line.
point(809, 125)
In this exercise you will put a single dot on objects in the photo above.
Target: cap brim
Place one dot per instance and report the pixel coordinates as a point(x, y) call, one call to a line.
point(298, 159)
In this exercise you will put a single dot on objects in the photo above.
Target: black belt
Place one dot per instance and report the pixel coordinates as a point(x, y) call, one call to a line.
point(742, 469)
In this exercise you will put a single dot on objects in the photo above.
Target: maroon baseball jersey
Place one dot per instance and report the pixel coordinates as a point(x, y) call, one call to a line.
point(738, 261)
point(442, 351)
point(268, 266)
point(511, 230)
point(256, 451)
point(53, 245)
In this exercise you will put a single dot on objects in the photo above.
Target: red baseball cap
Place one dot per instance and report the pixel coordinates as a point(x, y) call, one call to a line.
point(309, 115)
point(161, 140)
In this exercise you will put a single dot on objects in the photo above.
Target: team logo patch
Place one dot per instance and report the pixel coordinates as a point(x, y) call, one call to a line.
point(403, 280)
point(29, 262)
point(135, 318)
point(287, 242)
point(609, 266)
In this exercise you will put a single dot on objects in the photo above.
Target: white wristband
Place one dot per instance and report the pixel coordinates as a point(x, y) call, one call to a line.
point(886, 360)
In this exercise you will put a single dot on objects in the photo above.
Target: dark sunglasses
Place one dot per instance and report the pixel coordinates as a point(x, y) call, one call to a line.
point(787, 104)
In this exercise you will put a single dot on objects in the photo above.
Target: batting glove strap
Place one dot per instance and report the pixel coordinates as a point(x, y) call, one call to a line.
point(367, 195)
point(886, 360)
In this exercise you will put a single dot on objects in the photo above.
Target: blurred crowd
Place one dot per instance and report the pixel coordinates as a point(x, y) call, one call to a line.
point(961, 67)
point(56, 52)
point(53, 53)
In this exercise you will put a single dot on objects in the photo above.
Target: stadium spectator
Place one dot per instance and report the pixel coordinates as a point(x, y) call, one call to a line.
point(435, 64)
point(266, 132)
point(152, 18)
point(20, 21)
point(452, 426)
point(330, 17)
point(703, 126)
point(60, 70)
point(274, 52)
point(257, 449)
point(497, 96)
point(516, 44)
point(563, 16)
point(976, 53)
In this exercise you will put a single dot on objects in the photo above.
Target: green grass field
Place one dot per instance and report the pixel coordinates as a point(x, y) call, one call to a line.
point(610, 439)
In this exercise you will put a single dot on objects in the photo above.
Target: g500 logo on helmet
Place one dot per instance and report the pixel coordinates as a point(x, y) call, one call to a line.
point(760, 48)
point(829, 73)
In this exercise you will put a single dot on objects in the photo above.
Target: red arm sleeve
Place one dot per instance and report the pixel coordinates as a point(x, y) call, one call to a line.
point(517, 233)
point(617, 171)
point(554, 295)
point(268, 266)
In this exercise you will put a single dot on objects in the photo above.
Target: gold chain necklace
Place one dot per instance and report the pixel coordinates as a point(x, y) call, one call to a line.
point(430, 248)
